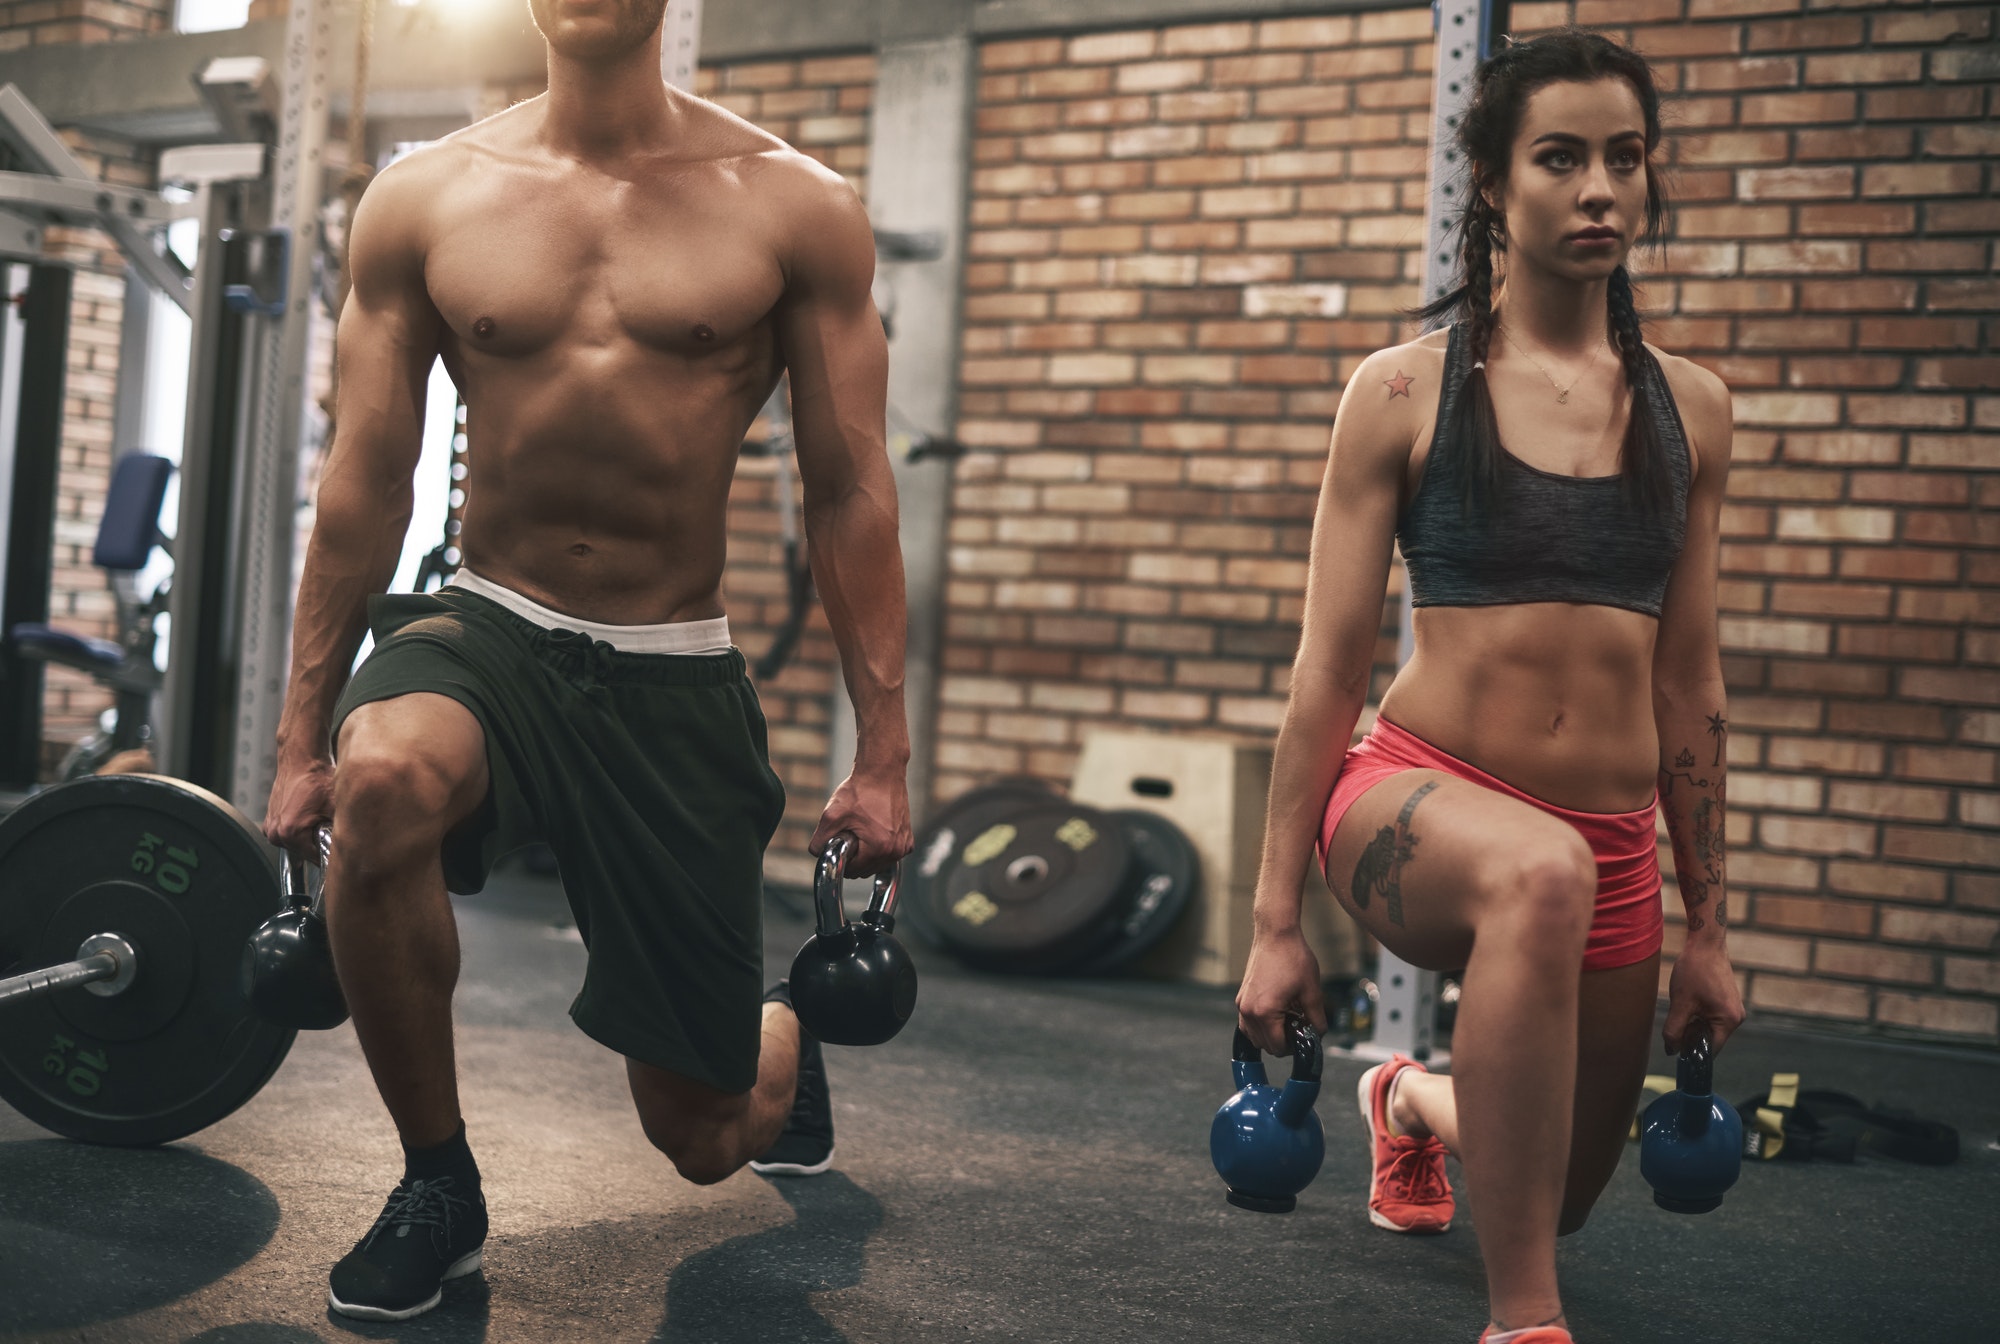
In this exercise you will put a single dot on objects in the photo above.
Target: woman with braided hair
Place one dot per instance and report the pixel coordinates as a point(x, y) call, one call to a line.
point(1556, 486)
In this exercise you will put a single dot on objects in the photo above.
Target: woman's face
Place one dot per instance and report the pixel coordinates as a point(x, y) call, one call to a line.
point(1575, 195)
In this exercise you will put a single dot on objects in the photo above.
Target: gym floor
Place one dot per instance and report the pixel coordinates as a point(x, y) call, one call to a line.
point(1027, 1161)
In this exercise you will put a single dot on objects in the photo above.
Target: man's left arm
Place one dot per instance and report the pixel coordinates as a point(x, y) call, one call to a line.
point(833, 346)
point(1690, 711)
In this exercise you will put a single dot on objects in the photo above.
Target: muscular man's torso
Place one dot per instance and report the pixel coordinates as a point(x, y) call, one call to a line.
point(1553, 697)
point(610, 328)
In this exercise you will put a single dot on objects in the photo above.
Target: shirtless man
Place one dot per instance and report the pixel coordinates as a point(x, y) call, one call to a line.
point(615, 274)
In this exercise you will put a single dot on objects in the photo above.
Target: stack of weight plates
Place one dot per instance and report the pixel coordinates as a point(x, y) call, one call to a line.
point(1011, 877)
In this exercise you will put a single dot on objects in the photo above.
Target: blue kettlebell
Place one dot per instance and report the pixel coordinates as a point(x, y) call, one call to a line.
point(1690, 1144)
point(1266, 1143)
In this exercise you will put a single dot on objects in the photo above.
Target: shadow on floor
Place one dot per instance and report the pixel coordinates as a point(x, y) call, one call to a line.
point(758, 1289)
point(90, 1234)
point(254, 1332)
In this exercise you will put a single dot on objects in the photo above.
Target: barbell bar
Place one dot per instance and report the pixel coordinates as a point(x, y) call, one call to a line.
point(106, 964)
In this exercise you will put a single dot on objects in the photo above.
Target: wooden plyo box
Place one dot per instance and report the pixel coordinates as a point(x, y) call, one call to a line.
point(1215, 790)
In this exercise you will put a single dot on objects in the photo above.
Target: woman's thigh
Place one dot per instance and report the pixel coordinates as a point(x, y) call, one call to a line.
point(1423, 858)
point(1613, 1033)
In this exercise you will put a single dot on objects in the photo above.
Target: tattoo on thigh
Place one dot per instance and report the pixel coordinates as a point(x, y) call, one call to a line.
point(1380, 870)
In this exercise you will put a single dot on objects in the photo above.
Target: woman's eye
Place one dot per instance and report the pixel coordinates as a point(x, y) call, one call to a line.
point(1559, 159)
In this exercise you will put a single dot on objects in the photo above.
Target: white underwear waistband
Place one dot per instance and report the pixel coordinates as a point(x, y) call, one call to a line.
point(681, 637)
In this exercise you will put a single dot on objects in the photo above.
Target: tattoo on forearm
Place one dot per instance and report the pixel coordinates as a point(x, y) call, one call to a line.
point(1683, 769)
point(1380, 870)
point(1699, 841)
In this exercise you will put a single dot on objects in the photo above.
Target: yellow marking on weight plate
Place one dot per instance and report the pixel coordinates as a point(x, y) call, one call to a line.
point(975, 908)
point(989, 844)
point(1078, 834)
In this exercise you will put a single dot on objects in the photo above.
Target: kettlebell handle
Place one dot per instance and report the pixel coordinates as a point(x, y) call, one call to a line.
point(1307, 1058)
point(299, 893)
point(1696, 1072)
point(828, 916)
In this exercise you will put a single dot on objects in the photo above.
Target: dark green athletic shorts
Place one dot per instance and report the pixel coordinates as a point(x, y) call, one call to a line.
point(648, 775)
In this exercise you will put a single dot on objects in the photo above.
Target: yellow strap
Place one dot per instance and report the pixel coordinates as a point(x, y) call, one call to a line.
point(1784, 1090)
point(1771, 1124)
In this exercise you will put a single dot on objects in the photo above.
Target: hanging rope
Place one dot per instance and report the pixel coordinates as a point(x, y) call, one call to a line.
point(359, 171)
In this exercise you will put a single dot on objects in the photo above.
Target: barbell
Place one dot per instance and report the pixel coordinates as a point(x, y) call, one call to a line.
point(151, 888)
point(200, 964)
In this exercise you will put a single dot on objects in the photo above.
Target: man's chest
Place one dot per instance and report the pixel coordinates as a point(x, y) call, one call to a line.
point(516, 272)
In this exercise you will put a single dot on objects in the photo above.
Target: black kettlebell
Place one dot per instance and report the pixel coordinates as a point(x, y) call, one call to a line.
point(287, 967)
point(852, 984)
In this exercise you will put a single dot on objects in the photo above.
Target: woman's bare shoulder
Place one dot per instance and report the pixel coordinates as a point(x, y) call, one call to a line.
point(1394, 390)
point(1690, 382)
point(1704, 402)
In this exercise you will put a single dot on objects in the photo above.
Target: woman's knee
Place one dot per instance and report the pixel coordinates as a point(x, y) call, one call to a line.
point(1581, 1193)
point(1573, 1217)
point(1544, 890)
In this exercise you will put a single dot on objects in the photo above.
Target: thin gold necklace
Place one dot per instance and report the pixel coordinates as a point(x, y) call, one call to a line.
point(1562, 390)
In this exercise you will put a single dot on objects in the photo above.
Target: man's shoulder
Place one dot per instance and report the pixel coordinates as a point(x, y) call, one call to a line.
point(415, 177)
point(759, 159)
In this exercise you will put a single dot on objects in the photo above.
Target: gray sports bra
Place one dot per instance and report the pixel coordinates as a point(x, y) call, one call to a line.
point(1548, 538)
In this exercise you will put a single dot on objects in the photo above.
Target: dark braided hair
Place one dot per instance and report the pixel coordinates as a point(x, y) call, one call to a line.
point(1501, 89)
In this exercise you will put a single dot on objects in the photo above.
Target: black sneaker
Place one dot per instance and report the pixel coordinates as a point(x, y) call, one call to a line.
point(429, 1231)
point(805, 1145)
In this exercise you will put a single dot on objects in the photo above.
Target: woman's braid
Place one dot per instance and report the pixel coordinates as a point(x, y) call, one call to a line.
point(1625, 327)
point(1477, 251)
point(1645, 464)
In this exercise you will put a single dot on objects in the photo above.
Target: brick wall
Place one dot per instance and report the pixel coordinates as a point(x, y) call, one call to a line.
point(1181, 241)
point(28, 23)
point(1184, 238)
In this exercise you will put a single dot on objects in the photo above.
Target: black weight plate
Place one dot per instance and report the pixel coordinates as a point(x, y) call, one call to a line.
point(1031, 892)
point(1165, 871)
point(185, 879)
point(972, 811)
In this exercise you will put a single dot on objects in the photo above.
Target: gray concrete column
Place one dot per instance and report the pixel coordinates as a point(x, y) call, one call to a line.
point(918, 157)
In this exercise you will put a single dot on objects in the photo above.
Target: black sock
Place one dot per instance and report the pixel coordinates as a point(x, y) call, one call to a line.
point(451, 1158)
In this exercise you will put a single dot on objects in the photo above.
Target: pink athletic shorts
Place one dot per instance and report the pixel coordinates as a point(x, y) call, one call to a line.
point(1628, 925)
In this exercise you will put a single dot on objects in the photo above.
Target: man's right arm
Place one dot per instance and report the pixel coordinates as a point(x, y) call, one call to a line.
point(389, 336)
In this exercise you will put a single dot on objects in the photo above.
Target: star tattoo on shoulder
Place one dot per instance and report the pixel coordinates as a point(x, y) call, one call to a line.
point(1399, 386)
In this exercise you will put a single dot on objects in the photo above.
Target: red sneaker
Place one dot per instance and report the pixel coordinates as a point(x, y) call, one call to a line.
point(1540, 1334)
point(1408, 1190)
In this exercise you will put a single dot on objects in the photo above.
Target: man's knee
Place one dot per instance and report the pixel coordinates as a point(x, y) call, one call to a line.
point(697, 1126)
point(406, 773)
point(703, 1154)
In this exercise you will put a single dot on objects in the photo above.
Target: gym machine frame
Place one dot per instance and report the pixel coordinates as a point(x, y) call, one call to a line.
point(42, 184)
point(259, 204)
point(1467, 31)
